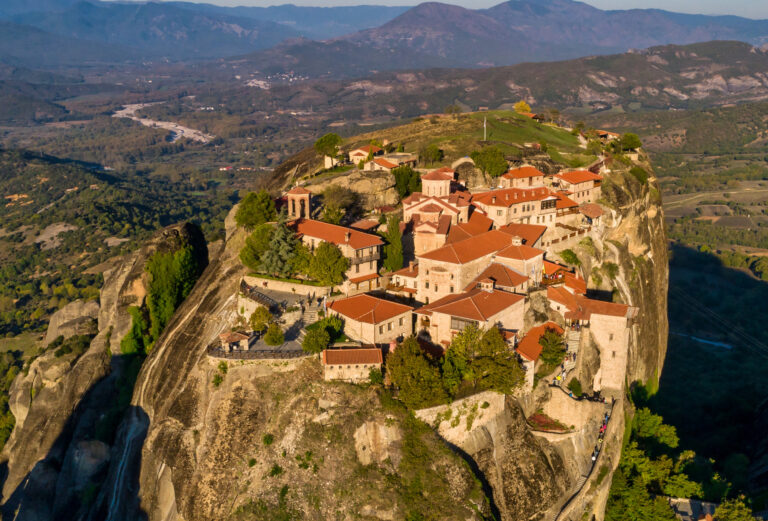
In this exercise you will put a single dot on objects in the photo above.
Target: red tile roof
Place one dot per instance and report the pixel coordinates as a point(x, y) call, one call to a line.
point(441, 174)
point(523, 172)
point(336, 234)
point(408, 271)
point(521, 252)
point(564, 201)
point(370, 276)
point(591, 210)
point(352, 356)
point(530, 233)
point(506, 197)
point(232, 337)
point(578, 176)
point(477, 224)
point(368, 309)
point(529, 346)
point(475, 304)
point(500, 275)
point(385, 163)
point(430, 208)
point(470, 249)
point(367, 149)
point(582, 308)
point(298, 190)
point(550, 268)
point(365, 224)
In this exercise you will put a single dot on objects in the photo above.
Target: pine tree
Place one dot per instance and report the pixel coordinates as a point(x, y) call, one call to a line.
point(278, 259)
point(255, 245)
point(393, 250)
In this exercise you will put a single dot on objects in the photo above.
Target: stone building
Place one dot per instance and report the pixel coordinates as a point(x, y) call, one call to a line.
point(523, 177)
point(582, 185)
point(608, 323)
point(350, 365)
point(373, 320)
point(362, 249)
point(530, 350)
point(484, 307)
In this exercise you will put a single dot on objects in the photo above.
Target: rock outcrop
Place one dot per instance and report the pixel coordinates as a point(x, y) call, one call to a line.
point(55, 459)
point(375, 188)
point(76, 318)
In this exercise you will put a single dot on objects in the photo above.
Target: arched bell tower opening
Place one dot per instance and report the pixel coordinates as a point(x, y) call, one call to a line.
point(299, 203)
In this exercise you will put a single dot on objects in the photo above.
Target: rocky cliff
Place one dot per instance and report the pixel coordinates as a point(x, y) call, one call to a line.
point(63, 405)
point(274, 441)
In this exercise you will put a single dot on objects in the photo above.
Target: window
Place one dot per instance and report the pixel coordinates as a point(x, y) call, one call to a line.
point(357, 268)
point(610, 336)
point(381, 329)
point(401, 321)
point(614, 354)
point(389, 326)
point(451, 289)
point(498, 212)
point(426, 285)
point(459, 324)
point(435, 288)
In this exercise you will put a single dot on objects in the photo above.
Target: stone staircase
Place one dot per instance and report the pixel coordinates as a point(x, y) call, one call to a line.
point(581, 482)
point(573, 339)
point(308, 317)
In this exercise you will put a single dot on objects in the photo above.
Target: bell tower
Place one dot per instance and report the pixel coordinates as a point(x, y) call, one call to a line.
point(299, 203)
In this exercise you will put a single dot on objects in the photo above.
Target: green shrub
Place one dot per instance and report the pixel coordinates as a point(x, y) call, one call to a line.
point(375, 376)
point(223, 367)
point(274, 336)
point(252, 462)
point(640, 174)
point(575, 386)
point(267, 439)
point(276, 470)
point(217, 379)
point(316, 340)
point(611, 270)
point(569, 257)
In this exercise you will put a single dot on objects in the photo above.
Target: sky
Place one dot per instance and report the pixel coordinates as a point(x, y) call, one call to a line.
point(746, 8)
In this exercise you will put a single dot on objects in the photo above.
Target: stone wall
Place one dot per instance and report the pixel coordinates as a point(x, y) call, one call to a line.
point(287, 287)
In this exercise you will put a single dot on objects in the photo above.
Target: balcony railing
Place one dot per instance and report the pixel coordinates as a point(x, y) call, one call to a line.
point(367, 258)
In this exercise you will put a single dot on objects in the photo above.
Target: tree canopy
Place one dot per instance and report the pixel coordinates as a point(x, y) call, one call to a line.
point(255, 245)
point(416, 377)
point(256, 208)
point(522, 106)
point(431, 154)
point(279, 258)
point(630, 141)
point(328, 264)
point(393, 250)
point(328, 145)
point(491, 161)
point(316, 340)
point(407, 181)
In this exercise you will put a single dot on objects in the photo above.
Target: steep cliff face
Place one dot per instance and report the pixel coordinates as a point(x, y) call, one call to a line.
point(272, 439)
point(59, 448)
point(638, 244)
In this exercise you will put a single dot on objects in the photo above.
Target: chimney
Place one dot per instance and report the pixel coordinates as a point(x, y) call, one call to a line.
point(517, 241)
point(411, 265)
point(493, 199)
point(347, 236)
point(506, 196)
point(515, 195)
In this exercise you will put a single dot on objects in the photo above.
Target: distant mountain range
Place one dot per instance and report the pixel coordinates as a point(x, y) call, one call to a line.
point(345, 41)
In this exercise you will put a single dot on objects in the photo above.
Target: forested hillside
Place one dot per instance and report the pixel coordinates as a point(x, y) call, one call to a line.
point(60, 219)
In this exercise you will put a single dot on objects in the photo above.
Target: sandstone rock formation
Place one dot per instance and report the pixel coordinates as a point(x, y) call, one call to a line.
point(76, 318)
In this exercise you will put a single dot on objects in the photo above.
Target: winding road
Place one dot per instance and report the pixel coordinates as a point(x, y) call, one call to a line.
point(177, 131)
